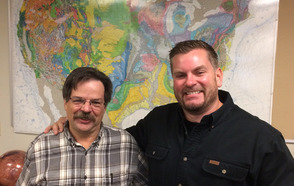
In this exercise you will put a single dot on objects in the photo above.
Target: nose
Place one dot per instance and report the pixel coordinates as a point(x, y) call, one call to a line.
point(86, 107)
point(191, 80)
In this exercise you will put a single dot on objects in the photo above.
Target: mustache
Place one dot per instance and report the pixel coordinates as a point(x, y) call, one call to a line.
point(84, 116)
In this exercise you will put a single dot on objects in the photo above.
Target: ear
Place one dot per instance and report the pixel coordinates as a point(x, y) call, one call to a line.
point(219, 77)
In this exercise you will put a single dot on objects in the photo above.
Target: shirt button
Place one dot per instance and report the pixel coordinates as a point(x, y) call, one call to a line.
point(185, 158)
point(153, 152)
point(224, 171)
point(85, 177)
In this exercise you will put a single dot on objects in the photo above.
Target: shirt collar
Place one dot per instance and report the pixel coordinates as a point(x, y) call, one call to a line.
point(228, 104)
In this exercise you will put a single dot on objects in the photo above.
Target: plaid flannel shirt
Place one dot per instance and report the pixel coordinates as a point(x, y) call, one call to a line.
point(113, 159)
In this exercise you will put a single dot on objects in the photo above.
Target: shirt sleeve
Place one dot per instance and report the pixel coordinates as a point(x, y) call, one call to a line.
point(139, 165)
point(277, 165)
point(141, 177)
point(138, 132)
point(24, 177)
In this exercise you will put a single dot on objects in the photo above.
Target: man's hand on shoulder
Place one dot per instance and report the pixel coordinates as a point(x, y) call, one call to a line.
point(57, 127)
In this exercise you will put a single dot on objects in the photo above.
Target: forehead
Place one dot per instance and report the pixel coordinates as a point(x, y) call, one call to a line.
point(89, 87)
point(195, 57)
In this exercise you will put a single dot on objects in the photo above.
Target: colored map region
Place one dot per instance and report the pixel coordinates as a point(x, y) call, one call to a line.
point(126, 39)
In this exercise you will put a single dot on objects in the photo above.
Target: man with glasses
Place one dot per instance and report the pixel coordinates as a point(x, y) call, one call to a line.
point(87, 152)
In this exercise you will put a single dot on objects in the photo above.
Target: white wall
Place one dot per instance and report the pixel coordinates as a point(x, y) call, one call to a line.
point(8, 139)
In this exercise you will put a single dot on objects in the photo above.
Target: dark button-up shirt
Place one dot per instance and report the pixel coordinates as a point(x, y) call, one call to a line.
point(228, 147)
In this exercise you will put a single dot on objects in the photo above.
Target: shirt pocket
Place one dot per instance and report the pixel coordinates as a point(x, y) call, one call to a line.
point(156, 152)
point(115, 179)
point(228, 170)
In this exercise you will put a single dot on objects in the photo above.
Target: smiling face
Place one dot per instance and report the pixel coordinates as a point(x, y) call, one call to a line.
point(86, 119)
point(196, 83)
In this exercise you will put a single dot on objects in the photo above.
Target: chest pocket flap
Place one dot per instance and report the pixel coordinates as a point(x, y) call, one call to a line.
point(225, 170)
point(156, 152)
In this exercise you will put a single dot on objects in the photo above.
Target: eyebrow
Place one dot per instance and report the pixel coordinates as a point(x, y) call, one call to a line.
point(195, 69)
point(202, 67)
point(78, 97)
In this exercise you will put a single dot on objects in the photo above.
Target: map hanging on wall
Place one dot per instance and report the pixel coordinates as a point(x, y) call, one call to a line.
point(129, 40)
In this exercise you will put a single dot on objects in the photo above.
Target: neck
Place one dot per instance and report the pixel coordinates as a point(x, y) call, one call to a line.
point(86, 142)
point(85, 138)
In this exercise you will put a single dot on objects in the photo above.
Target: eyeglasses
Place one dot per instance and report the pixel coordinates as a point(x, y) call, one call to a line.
point(79, 102)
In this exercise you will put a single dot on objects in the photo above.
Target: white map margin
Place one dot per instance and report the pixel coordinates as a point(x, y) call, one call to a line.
point(27, 117)
point(254, 54)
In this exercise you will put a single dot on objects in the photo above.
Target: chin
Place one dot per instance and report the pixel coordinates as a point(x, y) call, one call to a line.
point(193, 107)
